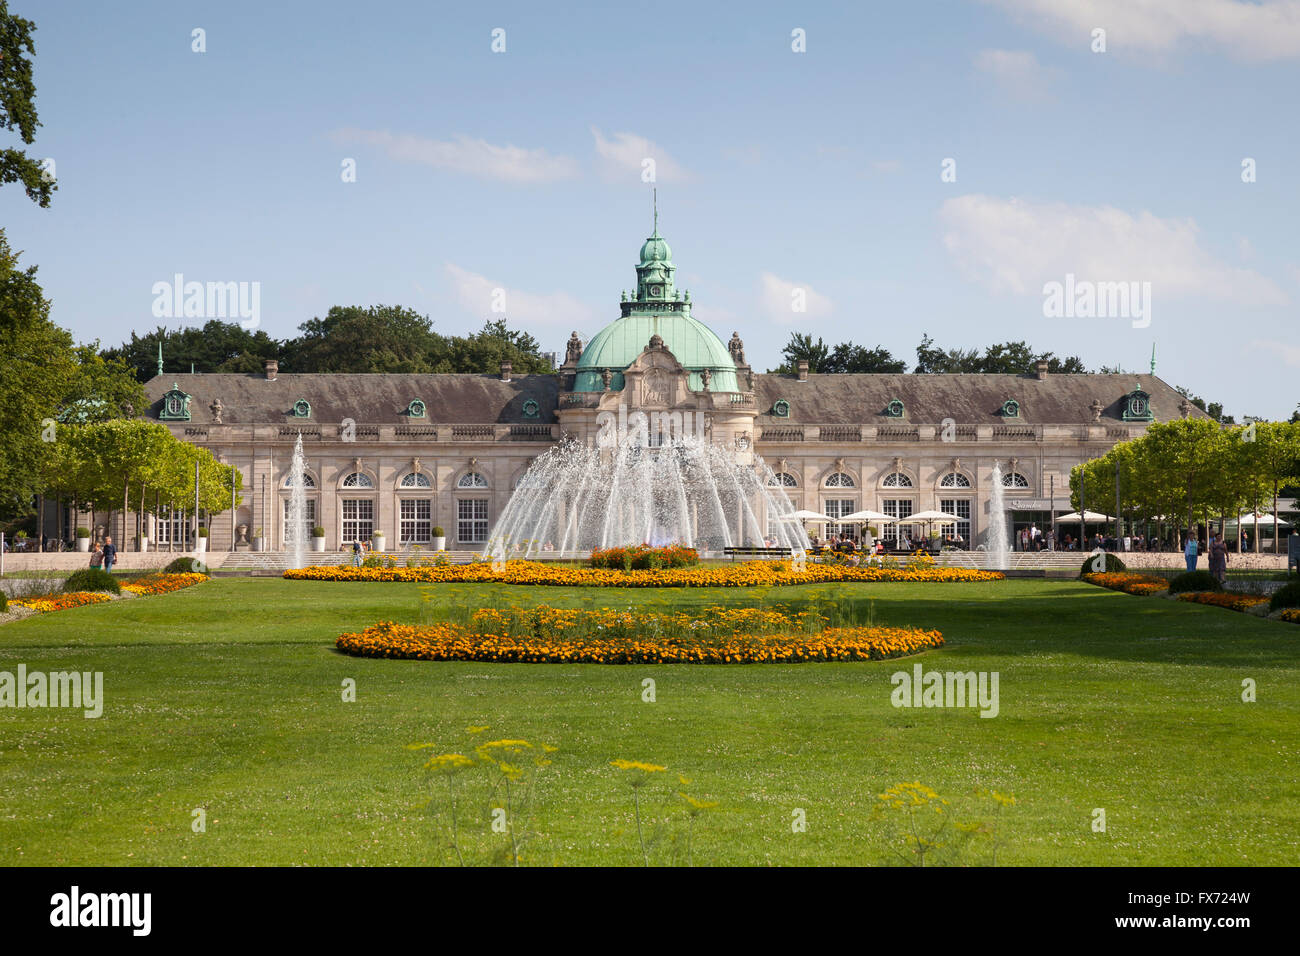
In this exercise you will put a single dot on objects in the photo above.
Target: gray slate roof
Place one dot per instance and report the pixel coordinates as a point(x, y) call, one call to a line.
point(823, 399)
point(968, 399)
point(370, 399)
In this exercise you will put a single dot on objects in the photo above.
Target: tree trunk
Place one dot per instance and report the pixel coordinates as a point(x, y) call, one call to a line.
point(1277, 535)
point(126, 492)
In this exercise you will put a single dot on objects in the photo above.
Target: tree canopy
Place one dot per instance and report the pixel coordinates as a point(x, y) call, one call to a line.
point(18, 106)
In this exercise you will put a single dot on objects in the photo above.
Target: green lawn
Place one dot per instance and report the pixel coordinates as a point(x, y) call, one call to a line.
point(228, 697)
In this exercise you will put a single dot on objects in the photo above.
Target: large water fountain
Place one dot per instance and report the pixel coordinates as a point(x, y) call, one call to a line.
point(577, 498)
point(295, 530)
point(998, 558)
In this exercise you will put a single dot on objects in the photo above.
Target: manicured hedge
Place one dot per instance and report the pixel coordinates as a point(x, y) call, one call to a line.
point(1194, 581)
point(1091, 565)
point(1286, 596)
point(91, 579)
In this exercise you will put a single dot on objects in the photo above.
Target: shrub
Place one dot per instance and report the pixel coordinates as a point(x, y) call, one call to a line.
point(318, 532)
point(4, 602)
point(203, 532)
point(1113, 564)
point(1286, 596)
point(1194, 581)
point(83, 532)
point(438, 532)
point(642, 557)
point(91, 579)
point(185, 566)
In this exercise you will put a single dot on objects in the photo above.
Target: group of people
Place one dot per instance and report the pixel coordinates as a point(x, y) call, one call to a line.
point(1218, 554)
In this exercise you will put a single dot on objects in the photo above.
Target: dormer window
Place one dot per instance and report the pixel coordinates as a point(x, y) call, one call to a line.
point(415, 409)
point(1137, 406)
point(532, 409)
point(1010, 408)
point(302, 408)
point(894, 409)
point(175, 406)
point(781, 408)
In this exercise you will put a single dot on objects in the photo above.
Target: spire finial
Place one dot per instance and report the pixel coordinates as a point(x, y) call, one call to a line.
point(160, 371)
point(1153, 358)
point(655, 192)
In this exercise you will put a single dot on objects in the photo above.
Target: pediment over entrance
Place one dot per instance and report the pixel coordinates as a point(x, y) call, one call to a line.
point(656, 380)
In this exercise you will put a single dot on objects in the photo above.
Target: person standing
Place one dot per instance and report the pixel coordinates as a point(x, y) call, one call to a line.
point(110, 554)
point(1219, 558)
point(1190, 550)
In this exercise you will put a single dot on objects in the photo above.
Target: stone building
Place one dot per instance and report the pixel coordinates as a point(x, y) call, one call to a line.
point(403, 454)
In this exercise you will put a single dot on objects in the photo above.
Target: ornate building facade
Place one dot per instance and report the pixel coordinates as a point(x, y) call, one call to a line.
point(405, 454)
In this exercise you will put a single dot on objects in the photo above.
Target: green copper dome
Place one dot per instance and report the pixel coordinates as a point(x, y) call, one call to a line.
point(658, 309)
point(692, 343)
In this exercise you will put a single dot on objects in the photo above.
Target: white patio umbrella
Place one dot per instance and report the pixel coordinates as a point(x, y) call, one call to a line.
point(1089, 517)
point(1262, 520)
point(869, 515)
point(805, 515)
point(942, 516)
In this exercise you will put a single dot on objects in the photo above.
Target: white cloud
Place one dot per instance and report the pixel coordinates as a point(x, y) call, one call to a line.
point(887, 165)
point(623, 155)
point(786, 301)
point(1289, 353)
point(463, 154)
point(1247, 29)
point(1012, 246)
point(1018, 73)
point(478, 294)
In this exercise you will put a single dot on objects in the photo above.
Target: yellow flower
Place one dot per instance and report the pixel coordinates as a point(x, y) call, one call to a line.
point(447, 763)
point(637, 765)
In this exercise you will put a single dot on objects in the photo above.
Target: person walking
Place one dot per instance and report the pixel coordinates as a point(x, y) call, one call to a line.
point(1219, 558)
point(110, 554)
point(356, 554)
point(1190, 551)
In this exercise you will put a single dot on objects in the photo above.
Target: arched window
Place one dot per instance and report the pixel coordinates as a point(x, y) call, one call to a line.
point(839, 479)
point(783, 479)
point(1014, 479)
point(954, 479)
point(307, 481)
point(416, 480)
point(896, 479)
point(358, 480)
point(472, 479)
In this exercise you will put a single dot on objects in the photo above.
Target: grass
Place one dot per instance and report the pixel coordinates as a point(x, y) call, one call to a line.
point(227, 697)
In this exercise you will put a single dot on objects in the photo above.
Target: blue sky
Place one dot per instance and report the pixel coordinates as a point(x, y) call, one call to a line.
point(813, 173)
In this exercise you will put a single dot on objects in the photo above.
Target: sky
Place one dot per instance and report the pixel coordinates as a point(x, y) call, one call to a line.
point(857, 171)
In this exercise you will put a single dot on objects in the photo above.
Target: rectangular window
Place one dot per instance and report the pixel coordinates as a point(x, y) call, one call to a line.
point(896, 508)
point(472, 520)
point(417, 520)
point(358, 519)
point(838, 508)
point(961, 508)
point(169, 529)
point(308, 520)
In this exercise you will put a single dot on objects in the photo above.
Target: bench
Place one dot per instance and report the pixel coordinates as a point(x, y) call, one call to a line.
point(757, 552)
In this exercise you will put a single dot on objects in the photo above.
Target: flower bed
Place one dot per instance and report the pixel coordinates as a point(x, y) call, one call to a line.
point(61, 602)
point(642, 557)
point(451, 642)
point(748, 574)
point(163, 583)
point(1290, 615)
point(1233, 602)
point(1128, 582)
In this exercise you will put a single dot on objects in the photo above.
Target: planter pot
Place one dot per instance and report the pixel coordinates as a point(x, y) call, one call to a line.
point(144, 544)
point(202, 546)
point(259, 544)
point(440, 544)
point(317, 544)
point(377, 542)
point(83, 545)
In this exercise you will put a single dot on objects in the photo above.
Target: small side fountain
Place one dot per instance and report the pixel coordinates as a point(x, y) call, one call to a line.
point(295, 531)
point(998, 558)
